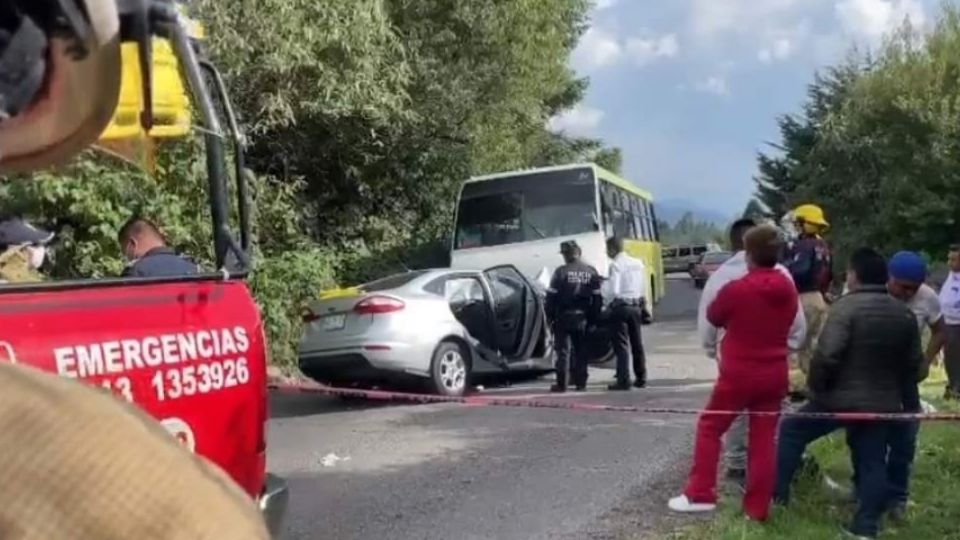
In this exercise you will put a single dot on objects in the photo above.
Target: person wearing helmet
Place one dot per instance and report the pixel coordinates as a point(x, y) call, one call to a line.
point(77, 462)
point(23, 249)
point(810, 263)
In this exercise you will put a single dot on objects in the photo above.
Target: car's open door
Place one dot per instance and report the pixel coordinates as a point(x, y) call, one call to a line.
point(517, 312)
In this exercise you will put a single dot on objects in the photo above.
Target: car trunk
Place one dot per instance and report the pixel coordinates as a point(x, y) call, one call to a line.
point(336, 316)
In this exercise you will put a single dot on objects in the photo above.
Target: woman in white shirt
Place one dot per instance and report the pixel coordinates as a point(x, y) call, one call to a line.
point(950, 306)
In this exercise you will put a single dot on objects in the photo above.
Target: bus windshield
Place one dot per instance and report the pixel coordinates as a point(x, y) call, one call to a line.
point(526, 207)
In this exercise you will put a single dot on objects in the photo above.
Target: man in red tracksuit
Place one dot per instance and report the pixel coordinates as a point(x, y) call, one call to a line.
point(757, 312)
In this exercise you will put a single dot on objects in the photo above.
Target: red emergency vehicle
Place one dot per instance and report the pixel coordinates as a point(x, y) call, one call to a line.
point(192, 350)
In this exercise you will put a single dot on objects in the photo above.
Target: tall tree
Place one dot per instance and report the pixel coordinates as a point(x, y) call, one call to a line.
point(754, 210)
point(364, 116)
point(879, 146)
point(782, 172)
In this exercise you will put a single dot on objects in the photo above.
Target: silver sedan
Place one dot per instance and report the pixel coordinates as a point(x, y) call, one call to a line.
point(440, 326)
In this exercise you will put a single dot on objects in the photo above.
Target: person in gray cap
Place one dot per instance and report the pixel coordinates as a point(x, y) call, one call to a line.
point(573, 294)
point(23, 248)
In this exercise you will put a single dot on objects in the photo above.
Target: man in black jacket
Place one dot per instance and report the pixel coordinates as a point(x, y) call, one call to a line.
point(867, 357)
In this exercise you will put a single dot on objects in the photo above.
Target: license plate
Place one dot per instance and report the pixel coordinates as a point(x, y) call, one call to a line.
point(334, 322)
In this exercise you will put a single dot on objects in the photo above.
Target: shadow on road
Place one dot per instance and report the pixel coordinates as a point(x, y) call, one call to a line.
point(283, 405)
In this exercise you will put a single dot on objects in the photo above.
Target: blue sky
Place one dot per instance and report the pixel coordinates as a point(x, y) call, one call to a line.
point(690, 89)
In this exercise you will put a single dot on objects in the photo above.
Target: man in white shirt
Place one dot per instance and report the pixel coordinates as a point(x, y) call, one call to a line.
point(626, 288)
point(733, 269)
point(950, 304)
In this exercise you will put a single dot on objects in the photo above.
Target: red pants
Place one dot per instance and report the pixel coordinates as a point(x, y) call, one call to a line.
point(753, 393)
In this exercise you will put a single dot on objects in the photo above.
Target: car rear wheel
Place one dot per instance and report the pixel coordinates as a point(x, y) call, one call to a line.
point(450, 369)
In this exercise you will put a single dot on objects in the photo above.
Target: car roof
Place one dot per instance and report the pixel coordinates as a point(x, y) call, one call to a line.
point(717, 255)
point(420, 277)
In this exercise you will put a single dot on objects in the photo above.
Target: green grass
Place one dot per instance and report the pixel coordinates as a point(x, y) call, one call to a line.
point(816, 513)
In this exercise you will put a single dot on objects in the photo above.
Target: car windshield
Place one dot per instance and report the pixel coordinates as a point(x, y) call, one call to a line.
point(716, 257)
point(392, 282)
point(526, 207)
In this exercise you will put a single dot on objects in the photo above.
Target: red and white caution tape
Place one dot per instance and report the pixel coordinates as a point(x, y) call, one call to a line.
point(490, 401)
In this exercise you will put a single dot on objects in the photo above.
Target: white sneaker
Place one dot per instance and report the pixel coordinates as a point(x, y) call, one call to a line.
point(683, 504)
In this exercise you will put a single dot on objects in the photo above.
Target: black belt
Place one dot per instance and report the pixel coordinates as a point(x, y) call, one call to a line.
point(628, 303)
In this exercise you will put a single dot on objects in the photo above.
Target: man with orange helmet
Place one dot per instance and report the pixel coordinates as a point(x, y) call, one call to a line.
point(810, 263)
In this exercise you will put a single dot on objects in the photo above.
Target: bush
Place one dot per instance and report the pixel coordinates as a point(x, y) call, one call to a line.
point(86, 203)
point(283, 285)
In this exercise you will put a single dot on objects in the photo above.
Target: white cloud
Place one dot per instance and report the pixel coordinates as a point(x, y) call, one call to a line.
point(871, 19)
point(712, 18)
point(597, 49)
point(775, 30)
point(580, 120)
point(780, 49)
point(646, 50)
point(604, 4)
point(714, 85)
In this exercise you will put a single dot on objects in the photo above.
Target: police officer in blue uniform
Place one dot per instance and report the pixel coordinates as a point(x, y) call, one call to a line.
point(572, 299)
point(145, 247)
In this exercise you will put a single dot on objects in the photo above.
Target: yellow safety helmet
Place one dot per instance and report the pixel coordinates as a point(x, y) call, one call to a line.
point(810, 213)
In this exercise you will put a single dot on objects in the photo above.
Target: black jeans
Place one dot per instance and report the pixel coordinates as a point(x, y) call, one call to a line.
point(951, 357)
point(569, 345)
point(868, 448)
point(625, 324)
point(794, 436)
point(901, 449)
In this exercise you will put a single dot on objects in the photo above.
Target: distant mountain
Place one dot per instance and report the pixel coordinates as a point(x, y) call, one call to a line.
point(671, 210)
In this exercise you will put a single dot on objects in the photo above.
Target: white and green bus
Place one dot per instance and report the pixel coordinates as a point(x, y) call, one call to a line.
point(520, 218)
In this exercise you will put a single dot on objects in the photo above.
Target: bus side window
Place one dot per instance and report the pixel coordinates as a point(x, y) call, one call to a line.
point(640, 220)
point(652, 220)
point(606, 204)
point(623, 224)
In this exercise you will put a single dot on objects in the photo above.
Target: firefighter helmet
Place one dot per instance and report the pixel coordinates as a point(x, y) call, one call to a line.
point(810, 213)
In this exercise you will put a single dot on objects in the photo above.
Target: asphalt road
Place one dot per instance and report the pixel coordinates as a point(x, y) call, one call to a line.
point(358, 470)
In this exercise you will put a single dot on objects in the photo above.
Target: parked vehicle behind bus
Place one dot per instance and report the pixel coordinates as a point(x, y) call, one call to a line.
point(709, 263)
point(520, 218)
point(683, 258)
